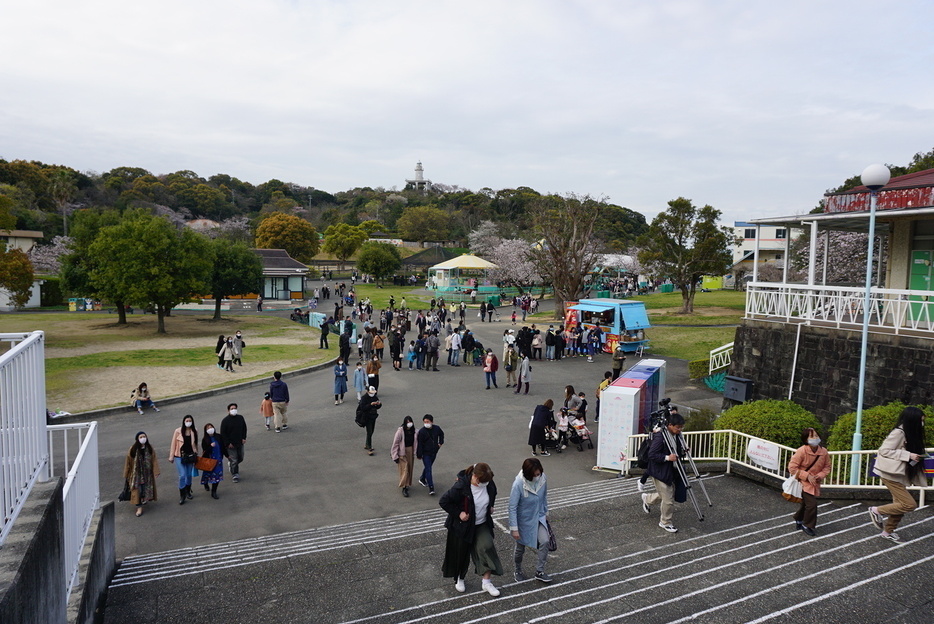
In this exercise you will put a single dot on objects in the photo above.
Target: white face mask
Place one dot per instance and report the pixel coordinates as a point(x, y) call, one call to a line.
point(233, 412)
point(210, 430)
point(813, 441)
point(188, 423)
point(428, 425)
point(143, 440)
point(409, 425)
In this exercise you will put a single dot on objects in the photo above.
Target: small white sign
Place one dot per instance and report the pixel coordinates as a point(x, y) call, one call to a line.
point(763, 453)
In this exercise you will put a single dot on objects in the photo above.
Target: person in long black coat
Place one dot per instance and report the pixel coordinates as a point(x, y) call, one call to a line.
point(541, 419)
point(469, 505)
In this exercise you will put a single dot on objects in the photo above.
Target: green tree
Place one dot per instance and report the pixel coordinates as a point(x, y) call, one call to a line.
point(423, 223)
point(371, 226)
point(566, 252)
point(281, 231)
point(76, 266)
point(7, 220)
point(343, 240)
point(683, 244)
point(16, 275)
point(380, 260)
point(63, 188)
point(236, 271)
point(144, 260)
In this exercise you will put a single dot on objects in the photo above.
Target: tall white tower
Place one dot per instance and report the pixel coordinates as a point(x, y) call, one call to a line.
point(419, 183)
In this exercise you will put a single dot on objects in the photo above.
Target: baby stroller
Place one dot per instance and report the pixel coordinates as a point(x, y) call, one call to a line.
point(478, 354)
point(551, 440)
point(578, 434)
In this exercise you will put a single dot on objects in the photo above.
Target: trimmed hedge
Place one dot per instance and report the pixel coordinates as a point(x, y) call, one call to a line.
point(877, 423)
point(699, 368)
point(777, 421)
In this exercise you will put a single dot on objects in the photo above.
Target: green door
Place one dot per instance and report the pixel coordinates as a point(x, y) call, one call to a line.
point(920, 279)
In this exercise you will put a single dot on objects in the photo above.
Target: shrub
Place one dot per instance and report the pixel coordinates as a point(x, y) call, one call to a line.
point(777, 421)
point(700, 420)
point(698, 368)
point(877, 423)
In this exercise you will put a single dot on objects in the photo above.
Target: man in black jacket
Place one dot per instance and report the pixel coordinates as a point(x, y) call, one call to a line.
point(233, 437)
point(663, 472)
point(430, 439)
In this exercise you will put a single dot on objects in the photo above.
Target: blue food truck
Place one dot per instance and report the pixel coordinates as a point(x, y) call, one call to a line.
point(622, 320)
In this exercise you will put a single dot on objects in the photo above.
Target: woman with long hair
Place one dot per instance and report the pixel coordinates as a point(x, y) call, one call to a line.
point(213, 448)
point(140, 470)
point(402, 452)
point(900, 463)
point(541, 420)
point(181, 452)
point(469, 504)
point(811, 465)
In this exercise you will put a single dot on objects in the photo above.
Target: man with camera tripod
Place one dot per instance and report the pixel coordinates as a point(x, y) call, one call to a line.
point(662, 470)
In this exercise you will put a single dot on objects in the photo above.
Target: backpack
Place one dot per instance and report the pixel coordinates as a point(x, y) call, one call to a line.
point(360, 419)
point(642, 455)
point(419, 346)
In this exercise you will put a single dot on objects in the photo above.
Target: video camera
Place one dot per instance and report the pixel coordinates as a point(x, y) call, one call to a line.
point(659, 419)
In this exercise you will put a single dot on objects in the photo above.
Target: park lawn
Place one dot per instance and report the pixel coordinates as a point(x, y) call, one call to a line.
point(379, 295)
point(732, 299)
point(687, 343)
point(695, 319)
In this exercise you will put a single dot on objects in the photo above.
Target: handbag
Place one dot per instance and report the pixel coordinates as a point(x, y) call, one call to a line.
point(206, 464)
point(189, 458)
point(125, 494)
point(552, 540)
point(791, 487)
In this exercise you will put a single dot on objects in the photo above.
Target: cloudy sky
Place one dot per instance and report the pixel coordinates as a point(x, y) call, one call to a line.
point(755, 107)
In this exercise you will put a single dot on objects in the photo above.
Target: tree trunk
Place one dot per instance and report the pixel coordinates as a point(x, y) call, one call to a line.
point(217, 307)
point(121, 312)
point(686, 300)
point(160, 312)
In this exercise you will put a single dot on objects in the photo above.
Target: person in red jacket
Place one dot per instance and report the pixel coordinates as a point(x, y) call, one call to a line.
point(490, 366)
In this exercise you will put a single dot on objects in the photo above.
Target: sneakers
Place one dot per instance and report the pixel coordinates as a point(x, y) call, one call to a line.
point(564, 446)
point(155, 408)
point(645, 505)
point(543, 577)
point(405, 492)
point(798, 526)
point(876, 518)
point(668, 527)
point(808, 531)
point(459, 585)
point(285, 426)
point(423, 483)
point(140, 412)
point(545, 454)
point(431, 492)
point(278, 430)
point(519, 576)
point(640, 486)
point(236, 478)
point(268, 427)
point(489, 588)
point(892, 537)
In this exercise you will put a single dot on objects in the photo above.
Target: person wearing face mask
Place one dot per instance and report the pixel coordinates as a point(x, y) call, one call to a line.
point(430, 440)
point(340, 381)
point(212, 447)
point(811, 465)
point(359, 380)
point(141, 398)
point(469, 504)
point(367, 413)
point(238, 344)
point(140, 470)
point(404, 445)
point(183, 454)
point(233, 437)
point(226, 354)
point(528, 517)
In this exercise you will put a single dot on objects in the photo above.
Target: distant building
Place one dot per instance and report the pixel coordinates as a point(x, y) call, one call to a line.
point(283, 276)
point(771, 244)
point(419, 183)
point(24, 240)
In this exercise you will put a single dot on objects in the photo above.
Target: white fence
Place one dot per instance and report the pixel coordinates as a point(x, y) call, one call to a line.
point(890, 310)
point(720, 358)
point(771, 459)
point(74, 449)
point(24, 454)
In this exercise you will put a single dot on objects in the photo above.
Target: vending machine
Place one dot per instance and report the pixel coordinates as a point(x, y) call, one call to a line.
point(625, 406)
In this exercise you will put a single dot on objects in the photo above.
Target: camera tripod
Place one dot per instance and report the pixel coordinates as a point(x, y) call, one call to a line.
point(672, 445)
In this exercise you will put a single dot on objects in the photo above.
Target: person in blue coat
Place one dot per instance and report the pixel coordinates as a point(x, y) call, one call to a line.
point(528, 517)
point(340, 381)
point(359, 380)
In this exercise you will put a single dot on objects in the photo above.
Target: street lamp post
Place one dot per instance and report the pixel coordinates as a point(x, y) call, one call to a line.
point(874, 177)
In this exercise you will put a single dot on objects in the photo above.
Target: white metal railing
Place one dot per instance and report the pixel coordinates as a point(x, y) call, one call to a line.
point(890, 310)
point(734, 447)
point(721, 357)
point(24, 454)
point(74, 449)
